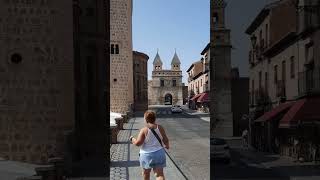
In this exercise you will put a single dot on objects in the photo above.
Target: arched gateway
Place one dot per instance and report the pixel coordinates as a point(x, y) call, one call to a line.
point(168, 99)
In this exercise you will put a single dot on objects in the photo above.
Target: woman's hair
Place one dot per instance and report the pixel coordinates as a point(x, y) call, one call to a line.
point(150, 116)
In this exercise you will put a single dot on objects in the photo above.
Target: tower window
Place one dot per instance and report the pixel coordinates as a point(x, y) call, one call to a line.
point(117, 48)
point(16, 58)
point(174, 82)
point(215, 17)
point(161, 83)
point(112, 49)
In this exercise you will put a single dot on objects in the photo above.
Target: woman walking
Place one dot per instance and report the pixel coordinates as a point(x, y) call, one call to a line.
point(152, 140)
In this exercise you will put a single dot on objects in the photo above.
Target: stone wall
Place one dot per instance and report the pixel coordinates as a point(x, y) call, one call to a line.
point(36, 78)
point(121, 79)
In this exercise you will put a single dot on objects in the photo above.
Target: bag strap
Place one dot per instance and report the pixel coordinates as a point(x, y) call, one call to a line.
point(156, 135)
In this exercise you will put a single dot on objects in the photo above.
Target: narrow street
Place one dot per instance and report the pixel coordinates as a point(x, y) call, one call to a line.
point(189, 141)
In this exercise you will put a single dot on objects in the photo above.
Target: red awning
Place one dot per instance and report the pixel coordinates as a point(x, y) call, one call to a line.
point(203, 98)
point(274, 112)
point(304, 110)
point(194, 98)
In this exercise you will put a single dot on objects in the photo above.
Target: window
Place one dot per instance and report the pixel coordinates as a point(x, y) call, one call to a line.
point(292, 72)
point(275, 74)
point(252, 91)
point(112, 49)
point(260, 79)
point(174, 82)
point(117, 48)
point(16, 58)
point(260, 37)
point(266, 81)
point(161, 83)
point(266, 40)
point(215, 18)
point(283, 70)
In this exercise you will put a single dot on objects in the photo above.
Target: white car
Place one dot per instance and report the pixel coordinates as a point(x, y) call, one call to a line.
point(219, 149)
point(176, 108)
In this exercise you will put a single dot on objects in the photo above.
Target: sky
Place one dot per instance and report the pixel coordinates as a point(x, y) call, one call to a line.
point(170, 24)
point(239, 15)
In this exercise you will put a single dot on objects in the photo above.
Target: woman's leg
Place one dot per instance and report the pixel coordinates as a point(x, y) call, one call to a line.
point(159, 173)
point(146, 174)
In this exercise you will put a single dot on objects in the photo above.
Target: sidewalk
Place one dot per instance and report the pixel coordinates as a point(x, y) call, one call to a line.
point(281, 164)
point(125, 159)
point(202, 115)
point(11, 170)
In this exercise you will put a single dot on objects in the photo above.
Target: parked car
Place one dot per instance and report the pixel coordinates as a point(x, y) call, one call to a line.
point(176, 108)
point(219, 150)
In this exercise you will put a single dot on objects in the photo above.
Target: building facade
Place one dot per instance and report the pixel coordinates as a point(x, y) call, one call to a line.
point(198, 82)
point(166, 85)
point(284, 76)
point(121, 79)
point(220, 71)
point(140, 79)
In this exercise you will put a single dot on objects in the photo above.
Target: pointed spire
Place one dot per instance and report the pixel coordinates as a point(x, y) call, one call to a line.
point(157, 59)
point(175, 59)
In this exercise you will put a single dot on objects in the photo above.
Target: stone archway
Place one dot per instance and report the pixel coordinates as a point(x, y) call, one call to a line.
point(168, 99)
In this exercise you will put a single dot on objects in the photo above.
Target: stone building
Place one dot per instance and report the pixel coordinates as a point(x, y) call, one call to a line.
point(121, 79)
point(166, 85)
point(284, 77)
point(220, 72)
point(41, 82)
point(140, 79)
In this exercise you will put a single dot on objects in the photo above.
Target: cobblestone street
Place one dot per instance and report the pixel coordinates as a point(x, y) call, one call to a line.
point(124, 156)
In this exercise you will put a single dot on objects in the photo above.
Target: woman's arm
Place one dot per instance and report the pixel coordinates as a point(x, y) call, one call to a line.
point(164, 136)
point(140, 139)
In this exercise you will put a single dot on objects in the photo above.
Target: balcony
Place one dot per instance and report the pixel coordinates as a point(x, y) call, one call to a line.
point(309, 82)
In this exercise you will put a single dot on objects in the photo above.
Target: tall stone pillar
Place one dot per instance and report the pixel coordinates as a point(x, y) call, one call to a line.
point(221, 67)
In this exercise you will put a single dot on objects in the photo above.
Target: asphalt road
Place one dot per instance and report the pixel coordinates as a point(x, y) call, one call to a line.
point(189, 142)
